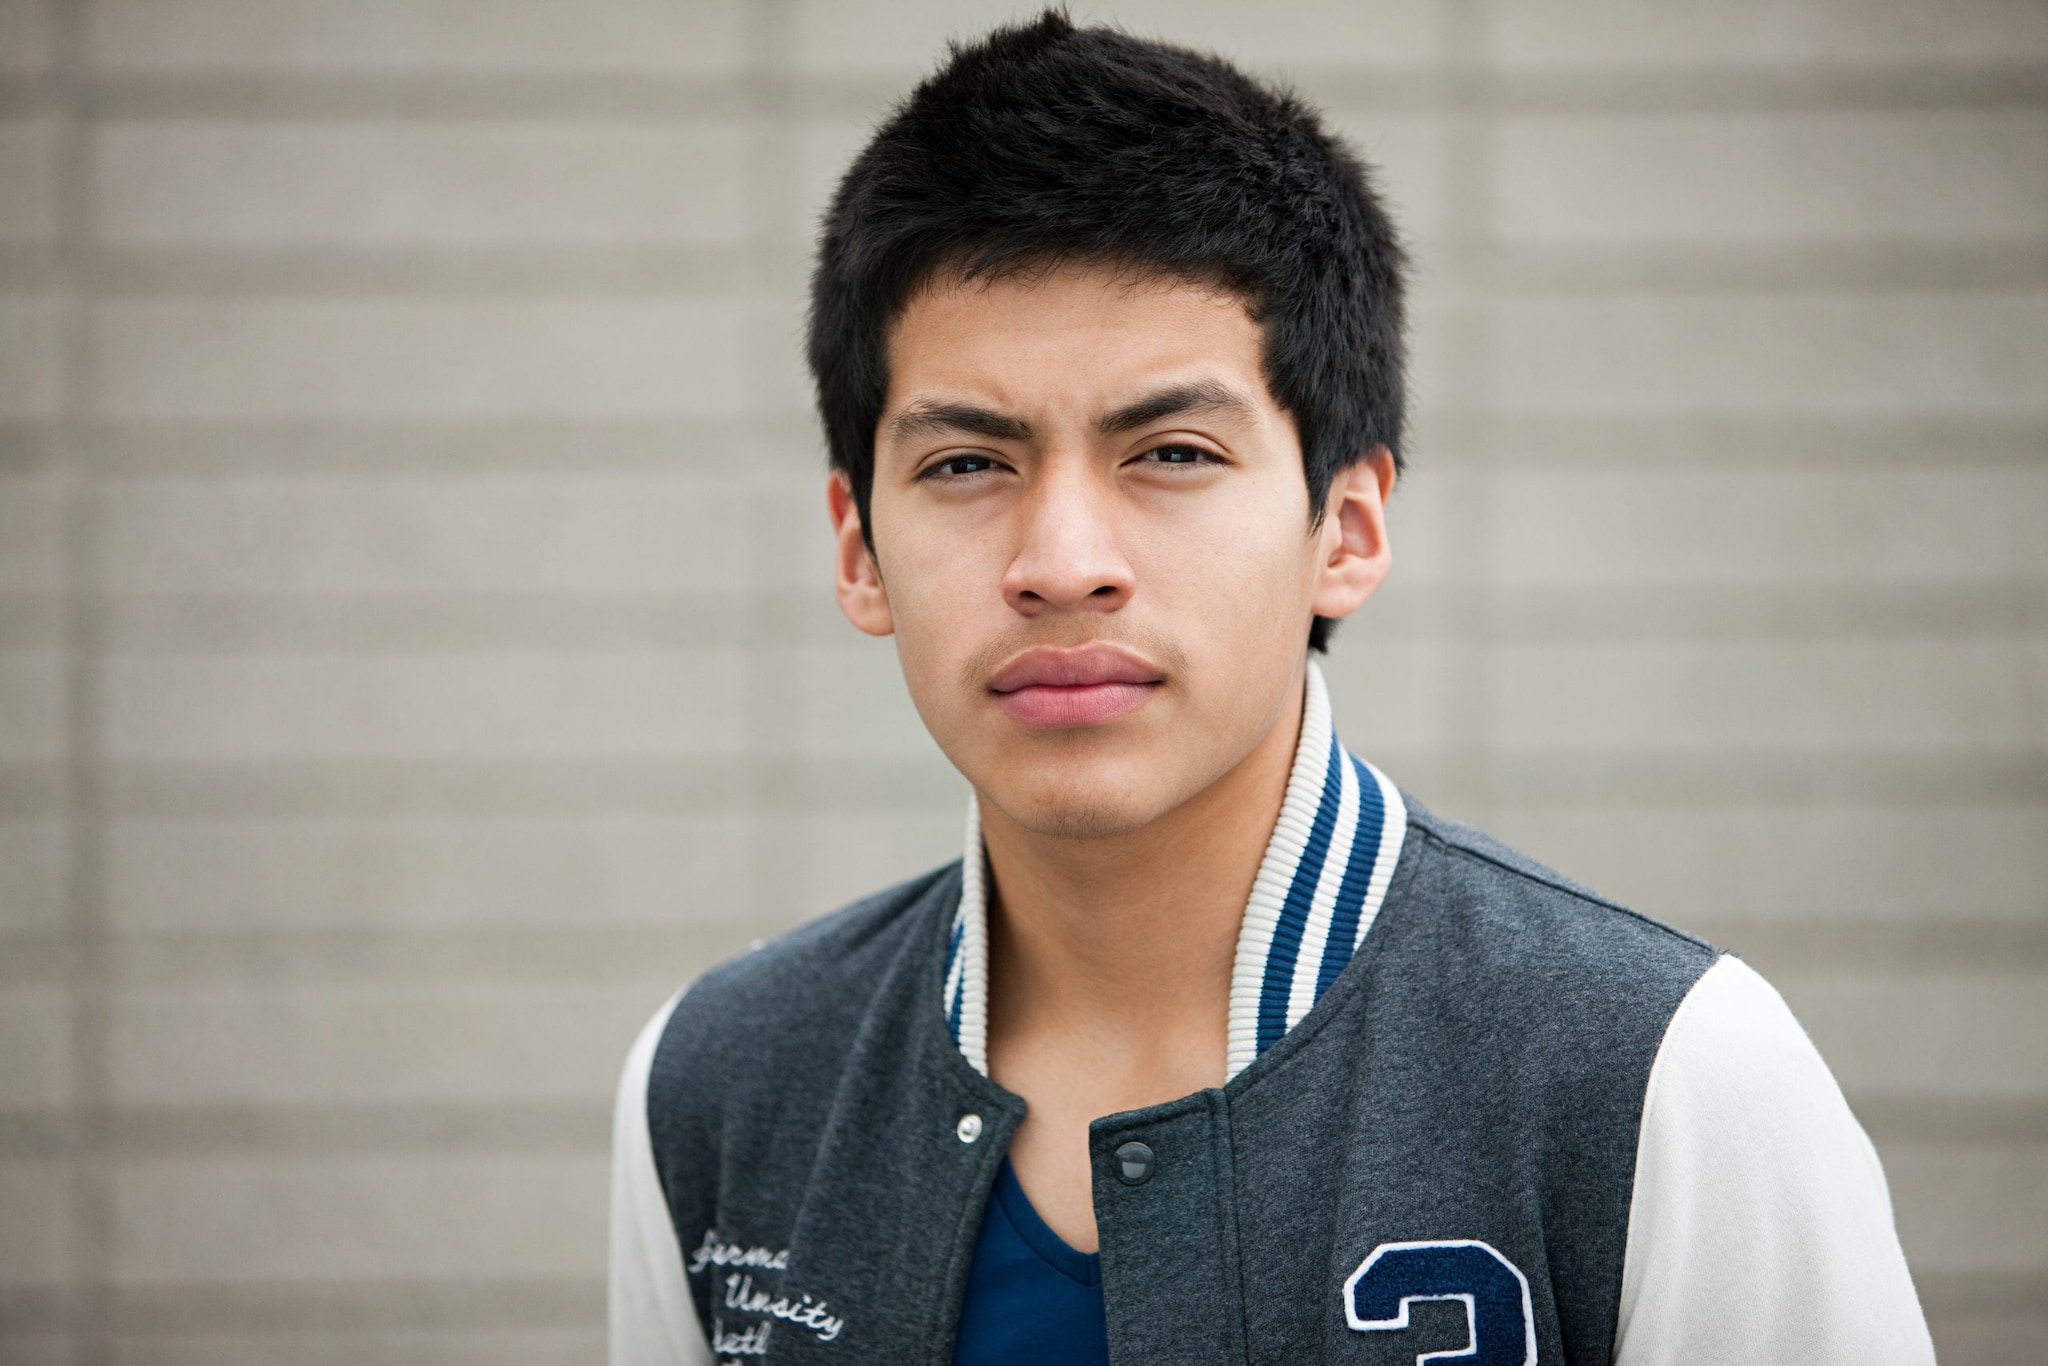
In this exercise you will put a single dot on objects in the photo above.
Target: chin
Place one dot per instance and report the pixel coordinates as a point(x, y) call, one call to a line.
point(1081, 801)
point(1070, 816)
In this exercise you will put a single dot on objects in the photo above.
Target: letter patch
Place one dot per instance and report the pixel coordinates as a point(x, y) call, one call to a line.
point(768, 1299)
point(1495, 1293)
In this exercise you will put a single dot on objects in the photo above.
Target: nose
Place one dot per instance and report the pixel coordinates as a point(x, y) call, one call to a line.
point(1068, 556)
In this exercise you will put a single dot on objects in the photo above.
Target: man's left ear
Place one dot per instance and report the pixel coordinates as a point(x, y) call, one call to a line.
point(1352, 542)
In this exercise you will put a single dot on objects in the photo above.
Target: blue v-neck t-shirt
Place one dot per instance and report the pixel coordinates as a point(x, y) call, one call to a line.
point(1030, 1296)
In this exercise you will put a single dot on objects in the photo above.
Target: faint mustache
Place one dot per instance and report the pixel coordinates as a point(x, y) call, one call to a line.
point(980, 666)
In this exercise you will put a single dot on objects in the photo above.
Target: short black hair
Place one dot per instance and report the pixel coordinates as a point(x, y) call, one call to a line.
point(1044, 143)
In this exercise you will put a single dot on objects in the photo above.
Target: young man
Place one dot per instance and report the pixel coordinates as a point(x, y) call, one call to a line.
point(1215, 1047)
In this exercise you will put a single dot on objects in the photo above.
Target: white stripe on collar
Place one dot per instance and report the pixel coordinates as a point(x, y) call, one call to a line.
point(1321, 882)
point(967, 952)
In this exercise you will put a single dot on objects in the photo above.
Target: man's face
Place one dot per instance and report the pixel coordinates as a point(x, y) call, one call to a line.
point(1092, 542)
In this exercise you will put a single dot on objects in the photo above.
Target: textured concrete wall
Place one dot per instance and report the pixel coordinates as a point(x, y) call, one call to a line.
point(416, 654)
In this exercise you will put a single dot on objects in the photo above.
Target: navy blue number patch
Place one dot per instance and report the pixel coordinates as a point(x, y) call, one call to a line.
point(1494, 1291)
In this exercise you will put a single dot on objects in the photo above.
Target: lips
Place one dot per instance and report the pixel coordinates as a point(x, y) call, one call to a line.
point(1087, 686)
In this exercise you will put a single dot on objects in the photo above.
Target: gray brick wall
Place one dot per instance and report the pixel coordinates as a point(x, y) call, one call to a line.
point(416, 653)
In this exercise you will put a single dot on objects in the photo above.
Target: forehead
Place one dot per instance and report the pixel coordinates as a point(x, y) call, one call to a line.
point(1075, 336)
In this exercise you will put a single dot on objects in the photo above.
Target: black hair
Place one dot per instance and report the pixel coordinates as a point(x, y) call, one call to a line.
point(1044, 143)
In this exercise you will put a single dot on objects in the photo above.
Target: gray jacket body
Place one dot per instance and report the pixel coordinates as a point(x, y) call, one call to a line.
point(1440, 1151)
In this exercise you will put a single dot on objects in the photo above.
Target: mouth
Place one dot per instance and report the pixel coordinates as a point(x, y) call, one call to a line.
point(1090, 685)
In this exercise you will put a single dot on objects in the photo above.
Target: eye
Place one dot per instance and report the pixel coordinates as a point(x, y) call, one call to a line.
point(1181, 456)
point(958, 466)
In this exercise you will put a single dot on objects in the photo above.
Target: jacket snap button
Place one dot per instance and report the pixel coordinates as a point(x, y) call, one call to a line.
point(1134, 1164)
point(968, 1129)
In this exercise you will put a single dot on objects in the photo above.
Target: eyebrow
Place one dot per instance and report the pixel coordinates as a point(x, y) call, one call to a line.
point(939, 419)
point(1182, 400)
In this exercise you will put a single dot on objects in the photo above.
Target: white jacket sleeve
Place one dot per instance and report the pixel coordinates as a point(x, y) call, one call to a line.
point(653, 1320)
point(1760, 1227)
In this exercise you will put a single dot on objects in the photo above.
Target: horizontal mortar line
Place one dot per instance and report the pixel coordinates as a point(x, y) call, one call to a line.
point(1814, 87)
point(146, 1132)
point(487, 1304)
point(1671, 778)
point(1788, 610)
point(629, 98)
point(1496, 442)
point(711, 271)
point(778, 445)
point(1732, 774)
point(511, 97)
point(1508, 440)
point(744, 448)
point(750, 265)
point(1457, 779)
point(29, 448)
point(33, 620)
point(490, 1306)
point(493, 1305)
point(655, 957)
point(283, 787)
point(32, 268)
point(791, 95)
point(1650, 89)
point(1777, 947)
point(592, 622)
point(31, 958)
point(583, 1128)
point(737, 269)
point(29, 96)
point(632, 99)
point(31, 789)
point(2020, 1295)
point(1524, 444)
point(1956, 1120)
point(484, 790)
point(652, 954)
point(766, 449)
point(1781, 267)
point(1784, 613)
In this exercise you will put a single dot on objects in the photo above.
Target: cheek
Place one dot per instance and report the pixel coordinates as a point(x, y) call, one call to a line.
point(1234, 574)
point(944, 598)
point(942, 578)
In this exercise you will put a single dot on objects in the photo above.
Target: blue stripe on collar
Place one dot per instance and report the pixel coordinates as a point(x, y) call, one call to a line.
point(956, 992)
point(1349, 910)
point(1319, 885)
point(1284, 944)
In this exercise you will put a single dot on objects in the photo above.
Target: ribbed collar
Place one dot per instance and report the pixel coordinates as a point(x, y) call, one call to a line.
point(1320, 884)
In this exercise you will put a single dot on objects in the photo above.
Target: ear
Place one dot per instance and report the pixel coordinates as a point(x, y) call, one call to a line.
point(1351, 545)
point(857, 579)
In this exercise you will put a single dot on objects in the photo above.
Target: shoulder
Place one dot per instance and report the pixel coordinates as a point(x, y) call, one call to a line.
point(1760, 1226)
point(1734, 1037)
point(1510, 913)
point(1739, 1089)
point(806, 990)
point(1483, 962)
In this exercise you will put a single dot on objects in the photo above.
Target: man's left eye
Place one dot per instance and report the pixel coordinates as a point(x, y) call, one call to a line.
point(1179, 455)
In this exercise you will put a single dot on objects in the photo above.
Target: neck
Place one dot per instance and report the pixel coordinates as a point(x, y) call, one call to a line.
point(1132, 937)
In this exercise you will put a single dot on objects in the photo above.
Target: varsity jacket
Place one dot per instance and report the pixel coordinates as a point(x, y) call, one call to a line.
point(1473, 1112)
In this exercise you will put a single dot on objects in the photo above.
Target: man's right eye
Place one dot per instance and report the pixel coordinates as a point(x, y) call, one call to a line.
point(959, 465)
